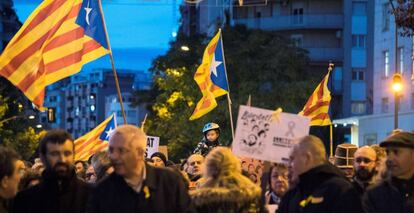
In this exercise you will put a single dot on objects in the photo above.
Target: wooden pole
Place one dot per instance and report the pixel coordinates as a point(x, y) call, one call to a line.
point(113, 64)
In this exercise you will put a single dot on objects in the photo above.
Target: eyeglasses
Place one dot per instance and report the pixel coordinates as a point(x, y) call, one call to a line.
point(362, 159)
point(89, 175)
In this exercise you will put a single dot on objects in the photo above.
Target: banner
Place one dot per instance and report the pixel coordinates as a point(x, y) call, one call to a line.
point(152, 145)
point(261, 137)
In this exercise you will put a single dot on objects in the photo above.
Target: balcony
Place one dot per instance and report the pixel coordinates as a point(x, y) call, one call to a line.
point(293, 22)
point(325, 54)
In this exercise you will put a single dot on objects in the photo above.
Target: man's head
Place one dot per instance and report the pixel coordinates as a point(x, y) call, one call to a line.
point(11, 169)
point(365, 162)
point(400, 154)
point(101, 165)
point(159, 159)
point(195, 163)
point(309, 152)
point(126, 150)
point(80, 167)
point(57, 152)
point(90, 175)
point(278, 179)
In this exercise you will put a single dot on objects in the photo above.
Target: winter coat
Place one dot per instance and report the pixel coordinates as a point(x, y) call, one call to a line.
point(393, 195)
point(162, 191)
point(205, 146)
point(322, 189)
point(3, 206)
point(49, 196)
point(220, 200)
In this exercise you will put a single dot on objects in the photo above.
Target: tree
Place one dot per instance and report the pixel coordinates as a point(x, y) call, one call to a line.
point(259, 63)
point(403, 11)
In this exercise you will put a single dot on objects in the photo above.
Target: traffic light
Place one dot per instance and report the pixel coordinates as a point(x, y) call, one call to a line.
point(51, 115)
point(396, 82)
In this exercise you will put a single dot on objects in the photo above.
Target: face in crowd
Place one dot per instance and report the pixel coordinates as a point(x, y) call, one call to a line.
point(57, 153)
point(279, 180)
point(195, 163)
point(90, 175)
point(79, 168)
point(212, 135)
point(11, 173)
point(127, 149)
point(400, 161)
point(365, 163)
point(158, 162)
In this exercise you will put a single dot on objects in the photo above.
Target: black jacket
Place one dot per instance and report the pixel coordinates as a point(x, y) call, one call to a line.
point(394, 195)
point(321, 189)
point(70, 196)
point(167, 193)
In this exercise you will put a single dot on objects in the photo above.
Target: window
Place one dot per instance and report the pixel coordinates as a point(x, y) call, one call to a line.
point(385, 17)
point(370, 139)
point(400, 58)
point(359, 41)
point(384, 105)
point(297, 40)
point(386, 63)
point(297, 16)
point(359, 8)
point(358, 107)
point(358, 74)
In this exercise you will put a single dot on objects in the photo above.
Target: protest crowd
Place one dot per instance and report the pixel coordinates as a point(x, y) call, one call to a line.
point(364, 179)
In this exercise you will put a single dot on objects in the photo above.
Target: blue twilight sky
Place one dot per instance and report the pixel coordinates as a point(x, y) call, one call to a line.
point(139, 30)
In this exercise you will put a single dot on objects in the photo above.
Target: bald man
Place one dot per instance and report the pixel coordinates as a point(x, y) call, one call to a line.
point(365, 163)
point(321, 187)
point(135, 186)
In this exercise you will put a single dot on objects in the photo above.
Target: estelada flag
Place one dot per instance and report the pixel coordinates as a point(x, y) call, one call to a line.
point(56, 40)
point(95, 140)
point(211, 77)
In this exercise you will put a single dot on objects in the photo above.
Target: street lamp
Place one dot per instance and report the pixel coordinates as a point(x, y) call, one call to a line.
point(396, 87)
point(185, 48)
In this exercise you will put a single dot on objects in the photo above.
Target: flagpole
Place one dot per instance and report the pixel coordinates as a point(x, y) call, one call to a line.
point(143, 122)
point(330, 68)
point(228, 93)
point(113, 63)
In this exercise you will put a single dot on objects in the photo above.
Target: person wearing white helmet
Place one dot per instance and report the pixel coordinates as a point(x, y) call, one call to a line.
point(210, 140)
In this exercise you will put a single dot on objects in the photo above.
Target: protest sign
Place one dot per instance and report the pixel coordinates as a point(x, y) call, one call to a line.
point(259, 136)
point(152, 145)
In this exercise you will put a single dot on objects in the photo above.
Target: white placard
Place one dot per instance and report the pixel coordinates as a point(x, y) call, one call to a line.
point(260, 137)
point(152, 145)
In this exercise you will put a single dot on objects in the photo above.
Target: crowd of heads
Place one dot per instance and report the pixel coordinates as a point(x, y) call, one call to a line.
point(218, 169)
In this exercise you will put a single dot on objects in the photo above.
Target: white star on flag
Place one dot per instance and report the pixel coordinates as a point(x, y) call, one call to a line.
point(214, 65)
point(108, 133)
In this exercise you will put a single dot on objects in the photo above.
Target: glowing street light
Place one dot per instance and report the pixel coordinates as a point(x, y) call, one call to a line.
point(396, 87)
point(185, 48)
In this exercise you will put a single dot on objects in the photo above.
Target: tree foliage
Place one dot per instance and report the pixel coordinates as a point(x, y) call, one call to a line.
point(404, 16)
point(259, 63)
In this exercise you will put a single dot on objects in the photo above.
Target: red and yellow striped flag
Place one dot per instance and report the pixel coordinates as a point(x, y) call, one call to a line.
point(211, 77)
point(95, 140)
point(55, 41)
point(317, 107)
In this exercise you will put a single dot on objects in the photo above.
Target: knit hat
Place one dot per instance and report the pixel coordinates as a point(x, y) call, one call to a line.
point(161, 156)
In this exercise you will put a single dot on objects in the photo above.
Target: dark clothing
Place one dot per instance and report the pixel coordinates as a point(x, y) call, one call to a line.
point(321, 189)
point(51, 195)
point(394, 195)
point(3, 206)
point(360, 187)
point(167, 193)
point(205, 146)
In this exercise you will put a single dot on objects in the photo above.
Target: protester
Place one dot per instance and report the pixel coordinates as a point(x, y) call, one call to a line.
point(38, 166)
point(11, 168)
point(90, 175)
point(60, 190)
point(101, 165)
point(395, 194)
point(135, 186)
point(195, 163)
point(80, 169)
point(211, 134)
point(159, 159)
point(278, 184)
point(321, 187)
point(225, 189)
point(365, 163)
point(344, 158)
